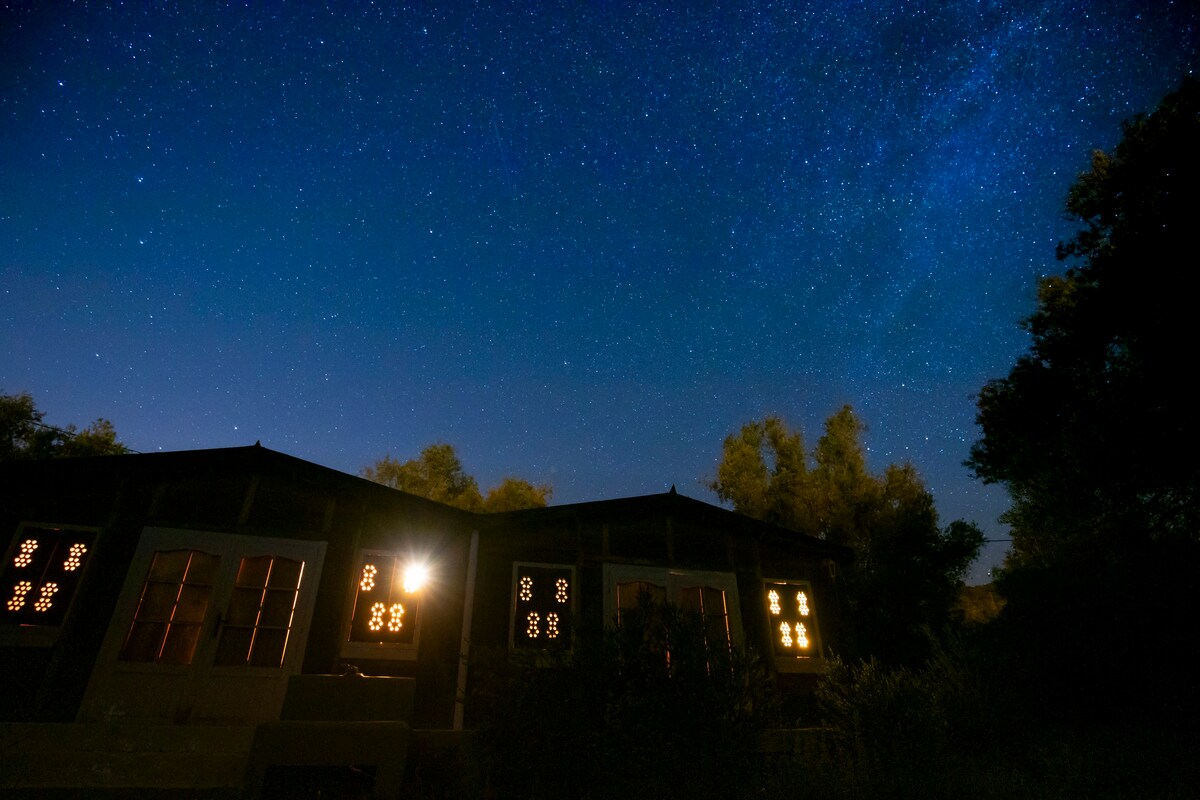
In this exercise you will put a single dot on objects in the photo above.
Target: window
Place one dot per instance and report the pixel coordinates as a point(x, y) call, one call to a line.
point(542, 607)
point(792, 618)
point(41, 573)
point(385, 620)
point(711, 595)
point(208, 626)
point(172, 607)
point(261, 610)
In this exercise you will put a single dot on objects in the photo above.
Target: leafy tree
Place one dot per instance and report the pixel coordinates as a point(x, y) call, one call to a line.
point(907, 569)
point(514, 494)
point(1094, 431)
point(23, 434)
point(438, 474)
point(761, 472)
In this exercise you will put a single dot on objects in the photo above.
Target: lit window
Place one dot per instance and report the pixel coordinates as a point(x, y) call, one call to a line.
point(41, 574)
point(261, 611)
point(793, 620)
point(386, 599)
point(543, 603)
point(172, 607)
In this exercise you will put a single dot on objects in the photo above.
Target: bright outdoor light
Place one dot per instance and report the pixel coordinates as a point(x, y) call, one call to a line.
point(415, 576)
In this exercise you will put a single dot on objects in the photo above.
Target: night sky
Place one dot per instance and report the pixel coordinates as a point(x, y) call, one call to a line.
point(580, 241)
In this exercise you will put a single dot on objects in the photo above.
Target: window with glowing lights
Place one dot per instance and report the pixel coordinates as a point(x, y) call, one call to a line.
point(41, 573)
point(543, 606)
point(387, 600)
point(792, 617)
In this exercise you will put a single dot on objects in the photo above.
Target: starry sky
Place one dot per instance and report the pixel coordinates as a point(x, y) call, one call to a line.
point(581, 241)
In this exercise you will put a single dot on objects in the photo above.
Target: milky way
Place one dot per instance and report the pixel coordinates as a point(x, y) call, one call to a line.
point(580, 241)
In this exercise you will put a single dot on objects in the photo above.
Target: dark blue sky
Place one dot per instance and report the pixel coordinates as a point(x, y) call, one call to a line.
point(580, 241)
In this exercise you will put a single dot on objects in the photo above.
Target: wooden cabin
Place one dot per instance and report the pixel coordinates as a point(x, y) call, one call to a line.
point(219, 621)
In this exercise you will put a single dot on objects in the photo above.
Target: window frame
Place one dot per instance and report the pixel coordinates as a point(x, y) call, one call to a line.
point(815, 662)
point(383, 651)
point(27, 635)
point(572, 608)
point(675, 579)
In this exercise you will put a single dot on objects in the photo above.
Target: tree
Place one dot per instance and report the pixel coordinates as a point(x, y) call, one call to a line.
point(514, 494)
point(437, 474)
point(907, 569)
point(24, 436)
point(1093, 431)
point(761, 471)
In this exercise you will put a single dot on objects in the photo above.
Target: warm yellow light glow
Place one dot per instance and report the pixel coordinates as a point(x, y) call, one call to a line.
point(533, 625)
point(525, 589)
point(75, 557)
point(26, 554)
point(19, 591)
point(367, 582)
point(44, 602)
point(785, 634)
point(415, 576)
point(552, 625)
point(802, 603)
point(560, 591)
point(375, 623)
point(773, 597)
point(394, 613)
point(801, 636)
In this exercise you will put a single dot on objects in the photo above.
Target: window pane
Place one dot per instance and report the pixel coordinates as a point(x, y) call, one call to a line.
point(158, 601)
point(253, 571)
point(630, 595)
point(243, 607)
point(180, 644)
point(277, 608)
point(268, 648)
point(285, 573)
point(169, 566)
point(192, 604)
point(203, 568)
point(143, 641)
point(234, 646)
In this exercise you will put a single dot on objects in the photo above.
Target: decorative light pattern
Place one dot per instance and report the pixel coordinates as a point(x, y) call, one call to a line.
point(794, 636)
point(367, 582)
point(47, 564)
point(387, 601)
point(25, 556)
point(541, 606)
point(75, 556)
point(18, 598)
point(44, 602)
point(394, 614)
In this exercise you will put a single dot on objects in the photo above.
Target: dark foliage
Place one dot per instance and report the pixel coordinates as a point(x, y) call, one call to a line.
point(649, 709)
point(1094, 431)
